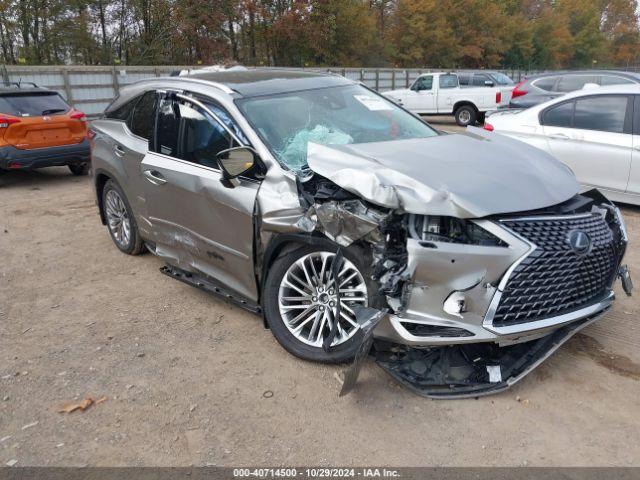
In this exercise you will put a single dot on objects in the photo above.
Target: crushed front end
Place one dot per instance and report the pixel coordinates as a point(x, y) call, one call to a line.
point(488, 300)
point(476, 304)
point(475, 297)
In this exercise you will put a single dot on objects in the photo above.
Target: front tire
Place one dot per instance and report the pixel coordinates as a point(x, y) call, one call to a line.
point(466, 115)
point(299, 301)
point(120, 220)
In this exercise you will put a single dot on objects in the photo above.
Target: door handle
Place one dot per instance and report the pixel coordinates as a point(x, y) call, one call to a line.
point(154, 177)
point(559, 136)
point(119, 151)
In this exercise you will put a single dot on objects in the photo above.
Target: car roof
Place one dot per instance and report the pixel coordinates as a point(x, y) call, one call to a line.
point(629, 89)
point(631, 75)
point(257, 82)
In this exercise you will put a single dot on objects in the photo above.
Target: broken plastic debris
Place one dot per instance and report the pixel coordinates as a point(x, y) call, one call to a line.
point(73, 406)
point(368, 319)
point(348, 221)
point(11, 462)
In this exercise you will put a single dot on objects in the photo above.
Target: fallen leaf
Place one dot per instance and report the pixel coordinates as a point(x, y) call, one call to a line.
point(72, 407)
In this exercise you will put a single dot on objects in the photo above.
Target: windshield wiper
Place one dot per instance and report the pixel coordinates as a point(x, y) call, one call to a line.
point(53, 110)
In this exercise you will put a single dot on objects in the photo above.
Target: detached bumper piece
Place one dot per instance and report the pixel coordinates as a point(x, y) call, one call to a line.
point(625, 278)
point(469, 370)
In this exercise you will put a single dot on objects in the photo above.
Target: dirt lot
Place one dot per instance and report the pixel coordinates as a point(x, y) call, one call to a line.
point(190, 380)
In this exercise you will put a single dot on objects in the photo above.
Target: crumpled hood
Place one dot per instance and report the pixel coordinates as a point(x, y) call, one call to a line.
point(468, 175)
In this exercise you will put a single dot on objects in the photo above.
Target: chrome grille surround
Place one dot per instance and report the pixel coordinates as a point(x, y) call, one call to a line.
point(551, 284)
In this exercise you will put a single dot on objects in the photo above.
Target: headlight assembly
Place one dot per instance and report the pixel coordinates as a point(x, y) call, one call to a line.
point(431, 228)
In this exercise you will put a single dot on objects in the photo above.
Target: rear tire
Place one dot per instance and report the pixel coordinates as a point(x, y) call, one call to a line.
point(307, 344)
point(466, 115)
point(120, 220)
point(79, 169)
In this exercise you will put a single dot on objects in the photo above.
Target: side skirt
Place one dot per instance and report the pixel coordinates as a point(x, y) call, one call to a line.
point(211, 286)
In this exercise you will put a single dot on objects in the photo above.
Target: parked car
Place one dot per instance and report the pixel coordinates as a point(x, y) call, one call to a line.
point(39, 129)
point(339, 215)
point(540, 88)
point(483, 78)
point(441, 94)
point(595, 132)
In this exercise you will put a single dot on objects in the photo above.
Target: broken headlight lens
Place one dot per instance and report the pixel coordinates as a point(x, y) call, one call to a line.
point(429, 228)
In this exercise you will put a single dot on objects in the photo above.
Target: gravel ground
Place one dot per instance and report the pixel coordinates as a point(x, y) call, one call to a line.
point(191, 380)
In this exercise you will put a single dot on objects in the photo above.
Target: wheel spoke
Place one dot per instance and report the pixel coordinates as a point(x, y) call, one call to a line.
point(307, 310)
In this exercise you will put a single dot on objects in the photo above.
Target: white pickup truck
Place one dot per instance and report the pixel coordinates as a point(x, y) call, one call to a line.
point(441, 94)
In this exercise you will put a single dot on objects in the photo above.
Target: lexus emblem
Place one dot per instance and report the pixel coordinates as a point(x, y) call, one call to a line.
point(579, 242)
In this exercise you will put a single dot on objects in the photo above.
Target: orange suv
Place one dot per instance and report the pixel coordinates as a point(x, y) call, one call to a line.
point(39, 129)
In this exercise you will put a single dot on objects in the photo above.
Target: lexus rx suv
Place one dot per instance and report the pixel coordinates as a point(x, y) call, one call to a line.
point(323, 206)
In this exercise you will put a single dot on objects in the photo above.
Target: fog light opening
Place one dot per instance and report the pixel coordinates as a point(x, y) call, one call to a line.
point(455, 304)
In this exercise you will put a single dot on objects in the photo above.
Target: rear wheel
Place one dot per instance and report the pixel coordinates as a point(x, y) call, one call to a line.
point(466, 115)
point(79, 169)
point(300, 301)
point(120, 221)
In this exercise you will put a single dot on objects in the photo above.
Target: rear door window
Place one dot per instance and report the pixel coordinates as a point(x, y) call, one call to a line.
point(570, 83)
point(123, 112)
point(143, 116)
point(559, 116)
point(32, 104)
point(605, 113)
point(546, 83)
point(168, 128)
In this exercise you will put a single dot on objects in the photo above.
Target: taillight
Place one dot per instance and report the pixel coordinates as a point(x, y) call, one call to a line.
point(78, 115)
point(488, 127)
point(498, 97)
point(518, 91)
point(6, 122)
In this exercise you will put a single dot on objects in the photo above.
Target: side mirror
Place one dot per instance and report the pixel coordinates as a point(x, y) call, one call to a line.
point(488, 83)
point(236, 161)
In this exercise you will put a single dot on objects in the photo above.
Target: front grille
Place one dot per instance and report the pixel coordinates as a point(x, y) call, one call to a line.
point(554, 279)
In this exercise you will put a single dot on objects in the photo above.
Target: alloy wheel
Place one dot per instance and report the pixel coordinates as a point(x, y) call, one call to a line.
point(118, 218)
point(307, 298)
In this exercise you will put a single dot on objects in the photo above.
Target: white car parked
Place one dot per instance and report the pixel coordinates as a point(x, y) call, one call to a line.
point(595, 131)
point(440, 94)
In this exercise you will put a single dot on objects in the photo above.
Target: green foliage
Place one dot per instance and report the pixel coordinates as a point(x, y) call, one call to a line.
point(530, 34)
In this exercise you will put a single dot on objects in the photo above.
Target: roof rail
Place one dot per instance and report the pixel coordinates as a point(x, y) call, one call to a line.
point(188, 78)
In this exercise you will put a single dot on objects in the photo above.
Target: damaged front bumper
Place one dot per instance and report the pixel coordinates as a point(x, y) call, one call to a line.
point(471, 370)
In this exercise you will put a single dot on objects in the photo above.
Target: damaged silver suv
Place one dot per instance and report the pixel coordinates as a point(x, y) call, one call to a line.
point(347, 221)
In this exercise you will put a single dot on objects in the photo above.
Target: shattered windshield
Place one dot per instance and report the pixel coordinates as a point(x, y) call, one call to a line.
point(330, 116)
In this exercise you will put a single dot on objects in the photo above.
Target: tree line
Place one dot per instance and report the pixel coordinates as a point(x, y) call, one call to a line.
point(530, 34)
